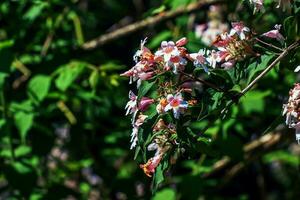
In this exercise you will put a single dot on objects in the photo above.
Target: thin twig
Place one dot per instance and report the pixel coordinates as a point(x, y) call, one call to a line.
point(203, 81)
point(263, 73)
point(264, 143)
point(150, 21)
point(277, 60)
point(270, 45)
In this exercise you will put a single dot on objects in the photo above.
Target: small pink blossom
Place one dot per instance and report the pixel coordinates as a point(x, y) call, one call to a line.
point(135, 129)
point(181, 42)
point(150, 166)
point(146, 75)
point(213, 58)
point(145, 103)
point(240, 29)
point(140, 120)
point(258, 5)
point(199, 59)
point(229, 64)
point(177, 104)
point(291, 110)
point(275, 34)
point(172, 55)
point(131, 106)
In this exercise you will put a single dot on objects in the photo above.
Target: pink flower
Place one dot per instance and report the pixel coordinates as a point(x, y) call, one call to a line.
point(177, 104)
point(200, 59)
point(240, 29)
point(181, 42)
point(275, 34)
point(143, 50)
point(229, 64)
point(144, 67)
point(135, 129)
point(146, 75)
point(258, 5)
point(172, 54)
point(143, 70)
point(140, 120)
point(131, 106)
point(213, 58)
point(145, 103)
point(291, 110)
point(150, 166)
point(134, 137)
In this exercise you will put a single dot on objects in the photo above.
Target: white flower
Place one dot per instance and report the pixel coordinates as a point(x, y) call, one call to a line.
point(177, 104)
point(213, 59)
point(135, 130)
point(131, 106)
point(275, 34)
point(134, 137)
point(240, 29)
point(139, 52)
point(258, 5)
point(291, 110)
point(200, 59)
point(171, 54)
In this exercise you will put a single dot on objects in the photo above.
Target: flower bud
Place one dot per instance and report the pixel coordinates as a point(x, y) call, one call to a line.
point(181, 42)
point(145, 103)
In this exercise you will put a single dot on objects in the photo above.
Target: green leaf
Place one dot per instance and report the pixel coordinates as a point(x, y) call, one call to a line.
point(22, 151)
point(34, 11)
point(93, 79)
point(23, 122)
point(282, 156)
point(144, 88)
point(2, 80)
point(68, 74)
point(38, 87)
point(21, 168)
point(255, 68)
point(253, 101)
point(290, 27)
point(158, 10)
point(159, 173)
point(165, 194)
point(6, 55)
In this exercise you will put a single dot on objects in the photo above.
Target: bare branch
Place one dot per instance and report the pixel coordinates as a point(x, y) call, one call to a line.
point(150, 21)
point(252, 151)
point(273, 64)
point(267, 44)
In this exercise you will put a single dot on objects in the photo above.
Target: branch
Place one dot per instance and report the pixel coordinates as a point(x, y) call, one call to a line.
point(277, 60)
point(252, 151)
point(150, 21)
point(270, 45)
point(215, 87)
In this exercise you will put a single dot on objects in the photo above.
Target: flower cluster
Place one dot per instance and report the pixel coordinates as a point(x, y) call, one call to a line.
point(231, 47)
point(167, 88)
point(161, 144)
point(171, 57)
point(292, 110)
